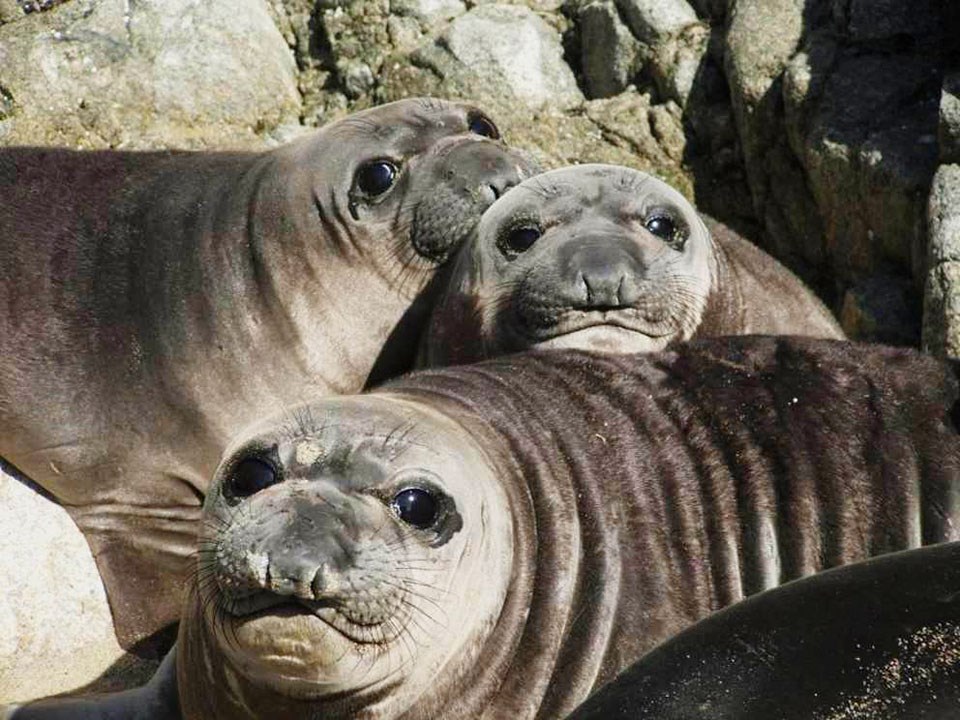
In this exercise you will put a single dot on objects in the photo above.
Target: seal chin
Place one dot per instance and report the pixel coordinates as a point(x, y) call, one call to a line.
point(293, 650)
point(607, 339)
point(619, 330)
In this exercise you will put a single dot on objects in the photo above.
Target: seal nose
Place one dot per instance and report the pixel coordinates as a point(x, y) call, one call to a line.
point(317, 546)
point(499, 185)
point(603, 277)
point(488, 170)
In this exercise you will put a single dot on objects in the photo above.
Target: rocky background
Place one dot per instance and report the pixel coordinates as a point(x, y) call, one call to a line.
point(828, 131)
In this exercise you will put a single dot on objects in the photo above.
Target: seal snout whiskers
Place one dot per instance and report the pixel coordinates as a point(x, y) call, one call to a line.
point(306, 548)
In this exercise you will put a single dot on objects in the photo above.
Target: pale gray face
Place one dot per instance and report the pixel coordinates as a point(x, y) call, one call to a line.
point(354, 542)
point(591, 256)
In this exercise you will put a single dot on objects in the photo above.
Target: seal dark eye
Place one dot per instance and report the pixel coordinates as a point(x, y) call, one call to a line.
point(376, 177)
point(662, 226)
point(417, 507)
point(519, 240)
point(250, 476)
point(482, 125)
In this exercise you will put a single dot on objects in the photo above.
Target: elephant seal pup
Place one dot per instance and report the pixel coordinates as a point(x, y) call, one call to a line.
point(608, 258)
point(499, 540)
point(876, 639)
point(154, 304)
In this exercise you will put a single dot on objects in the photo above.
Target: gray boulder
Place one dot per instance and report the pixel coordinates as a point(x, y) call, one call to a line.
point(173, 73)
point(610, 55)
point(839, 137)
point(676, 62)
point(653, 20)
point(512, 47)
point(941, 319)
point(56, 633)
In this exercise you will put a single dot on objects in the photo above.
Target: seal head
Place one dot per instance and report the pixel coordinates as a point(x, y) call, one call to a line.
point(584, 507)
point(601, 257)
point(344, 564)
point(593, 257)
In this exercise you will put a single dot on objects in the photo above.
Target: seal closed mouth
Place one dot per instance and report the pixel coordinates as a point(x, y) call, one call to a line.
point(547, 325)
point(332, 612)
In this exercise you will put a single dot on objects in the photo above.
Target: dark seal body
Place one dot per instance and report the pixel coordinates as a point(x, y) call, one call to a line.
point(153, 304)
point(643, 493)
point(877, 640)
point(602, 257)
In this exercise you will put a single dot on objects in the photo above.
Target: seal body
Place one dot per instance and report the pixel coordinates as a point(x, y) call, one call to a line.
point(154, 304)
point(877, 639)
point(500, 540)
point(601, 257)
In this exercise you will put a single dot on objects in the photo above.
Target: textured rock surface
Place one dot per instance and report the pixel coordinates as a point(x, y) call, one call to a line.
point(97, 73)
point(815, 127)
point(55, 627)
point(513, 48)
point(837, 115)
point(949, 130)
point(676, 61)
point(941, 322)
point(653, 20)
point(610, 54)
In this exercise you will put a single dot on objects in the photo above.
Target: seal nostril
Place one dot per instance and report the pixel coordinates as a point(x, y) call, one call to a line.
point(603, 291)
point(586, 287)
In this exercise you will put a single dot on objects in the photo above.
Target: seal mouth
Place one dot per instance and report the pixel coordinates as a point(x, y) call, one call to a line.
point(329, 611)
point(631, 320)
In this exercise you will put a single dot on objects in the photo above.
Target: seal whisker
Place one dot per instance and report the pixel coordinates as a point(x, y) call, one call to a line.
point(412, 618)
point(402, 585)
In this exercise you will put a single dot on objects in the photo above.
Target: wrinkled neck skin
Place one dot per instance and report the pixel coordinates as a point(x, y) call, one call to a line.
point(665, 490)
point(721, 313)
point(282, 278)
point(424, 673)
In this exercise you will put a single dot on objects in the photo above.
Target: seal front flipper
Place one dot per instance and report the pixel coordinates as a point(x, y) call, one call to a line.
point(877, 639)
point(157, 700)
point(142, 553)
